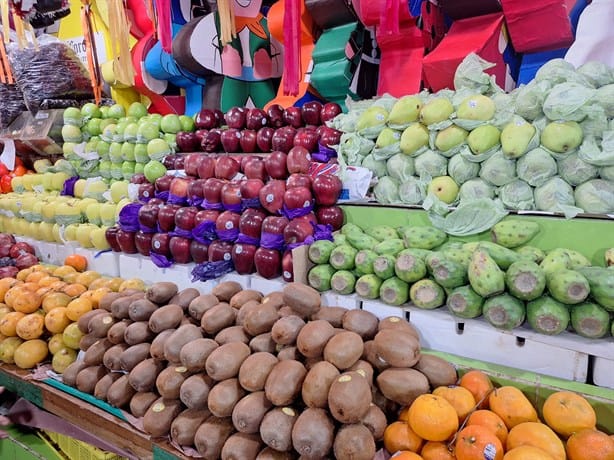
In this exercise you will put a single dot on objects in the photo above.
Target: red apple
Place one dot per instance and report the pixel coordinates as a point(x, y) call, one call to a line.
point(292, 117)
point(212, 142)
point(247, 142)
point(213, 190)
point(275, 165)
point(329, 136)
point(199, 251)
point(255, 168)
point(274, 225)
point(231, 140)
point(264, 138)
point(272, 195)
point(196, 189)
point(8, 271)
point(163, 184)
point(166, 217)
point(298, 197)
point(329, 111)
point(146, 192)
point(25, 260)
point(275, 112)
point(231, 196)
point(20, 248)
point(192, 163)
point(298, 160)
point(250, 188)
point(179, 163)
point(298, 180)
point(206, 215)
point(187, 141)
point(125, 240)
point(206, 168)
point(226, 168)
point(256, 118)
point(309, 217)
point(297, 231)
point(307, 138)
point(142, 241)
point(283, 138)
point(332, 215)
point(148, 215)
point(287, 267)
point(179, 186)
point(250, 223)
point(180, 250)
point(205, 119)
point(220, 250)
point(160, 244)
point(110, 235)
point(219, 117)
point(235, 117)
point(169, 161)
point(267, 262)
point(310, 112)
point(243, 258)
point(227, 225)
point(200, 135)
point(138, 178)
point(185, 217)
point(326, 189)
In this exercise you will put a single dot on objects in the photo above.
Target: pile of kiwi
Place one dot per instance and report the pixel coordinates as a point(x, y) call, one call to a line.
point(238, 375)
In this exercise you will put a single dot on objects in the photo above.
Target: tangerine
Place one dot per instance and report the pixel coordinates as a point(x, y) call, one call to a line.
point(399, 436)
point(538, 435)
point(477, 442)
point(567, 412)
point(432, 417)
point(490, 420)
point(479, 384)
point(527, 453)
point(461, 399)
point(77, 261)
point(434, 450)
point(512, 406)
point(590, 444)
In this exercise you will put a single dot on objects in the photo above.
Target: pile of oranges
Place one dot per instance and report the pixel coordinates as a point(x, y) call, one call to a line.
point(476, 421)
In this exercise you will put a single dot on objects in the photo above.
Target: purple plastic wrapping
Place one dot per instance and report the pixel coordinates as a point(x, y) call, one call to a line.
point(297, 212)
point(129, 217)
point(195, 201)
point(146, 229)
point(233, 207)
point(175, 199)
point(250, 203)
point(324, 154)
point(211, 270)
point(162, 195)
point(246, 239)
point(181, 232)
point(228, 235)
point(11, 104)
point(205, 232)
point(215, 206)
point(160, 260)
point(307, 242)
point(272, 241)
point(68, 188)
point(322, 232)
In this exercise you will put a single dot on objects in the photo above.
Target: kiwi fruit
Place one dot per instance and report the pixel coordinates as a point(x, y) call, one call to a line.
point(317, 384)
point(184, 427)
point(120, 307)
point(263, 342)
point(370, 355)
point(402, 385)
point(141, 310)
point(287, 311)
point(284, 382)
point(334, 315)
point(242, 446)
point(138, 332)
point(120, 392)
point(344, 349)
point(289, 352)
point(199, 305)
point(194, 354)
point(237, 300)
point(232, 334)
point(69, 376)
point(276, 428)
point(286, 329)
point(313, 337)
point(349, 397)
point(159, 417)
point(87, 341)
point(354, 442)
point(99, 325)
point(275, 299)
point(301, 298)
point(211, 436)
point(255, 370)
point(365, 369)
point(84, 320)
point(182, 335)
point(363, 322)
point(249, 411)
point(184, 297)
point(396, 323)
point(161, 292)
point(140, 402)
point(169, 381)
point(225, 290)
point(94, 354)
point(217, 318)
point(143, 376)
point(107, 300)
point(133, 355)
point(271, 454)
point(397, 348)
point(225, 361)
point(157, 345)
point(166, 317)
point(313, 433)
point(116, 332)
point(224, 396)
point(260, 319)
point(438, 371)
point(376, 421)
point(195, 390)
point(103, 385)
point(244, 310)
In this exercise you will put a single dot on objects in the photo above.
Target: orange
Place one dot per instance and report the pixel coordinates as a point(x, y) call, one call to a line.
point(478, 442)
point(54, 300)
point(407, 455)
point(590, 445)
point(490, 420)
point(78, 307)
point(461, 399)
point(30, 326)
point(74, 289)
point(512, 406)
point(77, 261)
point(567, 412)
point(527, 453)
point(403, 414)
point(538, 435)
point(433, 450)
point(432, 418)
point(479, 384)
point(399, 436)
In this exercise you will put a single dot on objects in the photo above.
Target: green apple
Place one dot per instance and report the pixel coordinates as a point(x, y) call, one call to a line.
point(79, 189)
point(128, 169)
point(92, 127)
point(82, 234)
point(67, 213)
point(102, 149)
point(170, 123)
point(55, 231)
point(116, 171)
point(115, 152)
point(108, 132)
point(140, 153)
point(187, 123)
point(104, 169)
point(444, 188)
point(119, 190)
point(72, 116)
point(92, 213)
point(91, 110)
point(45, 231)
point(48, 213)
point(146, 132)
point(98, 239)
point(95, 189)
point(71, 133)
point(70, 232)
point(130, 132)
point(116, 111)
point(107, 213)
point(42, 165)
point(17, 184)
point(139, 168)
point(128, 151)
point(137, 110)
point(37, 210)
point(153, 170)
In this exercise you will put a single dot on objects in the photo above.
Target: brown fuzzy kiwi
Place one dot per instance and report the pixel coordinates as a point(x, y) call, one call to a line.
point(386, 405)
point(284, 382)
point(120, 392)
point(263, 342)
point(141, 310)
point(402, 385)
point(334, 315)
point(201, 304)
point(87, 341)
point(287, 311)
point(138, 332)
point(301, 298)
point(260, 319)
point(69, 377)
point(159, 417)
point(182, 335)
point(84, 320)
point(120, 307)
point(103, 385)
point(244, 310)
point(194, 354)
point(211, 436)
point(275, 298)
point(289, 352)
point(244, 296)
point(271, 454)
point(349, 397)
point(438, 371)
point(108, 299)
point(226, 289)
point(396, 323)
point(363, 322)
point(161, 292)
point(94, 354)
point(140, 402)
point(133, 355)
point(276, 428)
point(313, 433)
point(232, 334)
point(184, 427)
point(370, 355)
point(143, 376)
point(313, 337)
point(365, 368)
point(397, 348)
point(99, 325)
point(166, 317)
point(115, 334)
point(157, 345)
point(169, 381)
point(255, 370)
point(88, 377)
point(217, 318)
point(376, 421)
point(317, 384)
point(285, 330)
point(344, 349)
point(110, 359)
point(224, 396)
point(225, 361)
point(184, 297)
point(241, 446)
point(354, 442)
point(248, 412)
point(195, 390)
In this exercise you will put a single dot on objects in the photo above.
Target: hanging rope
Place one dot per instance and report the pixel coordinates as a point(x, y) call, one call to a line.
point(228, 29)
point(119, 31)
point(90, 47)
